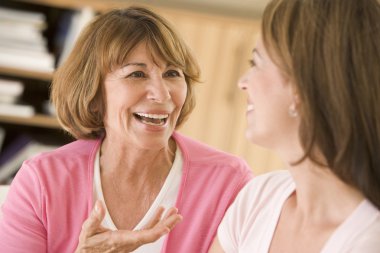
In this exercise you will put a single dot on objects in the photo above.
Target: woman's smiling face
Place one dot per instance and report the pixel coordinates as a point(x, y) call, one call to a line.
point(144, 98)
point(270, 95)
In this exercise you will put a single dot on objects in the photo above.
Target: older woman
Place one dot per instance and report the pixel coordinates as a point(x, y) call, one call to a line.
point(313, 93)
point(124, 90)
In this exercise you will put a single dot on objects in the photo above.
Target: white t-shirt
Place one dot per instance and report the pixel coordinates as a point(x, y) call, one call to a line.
point(166, 198)
point(251, 220)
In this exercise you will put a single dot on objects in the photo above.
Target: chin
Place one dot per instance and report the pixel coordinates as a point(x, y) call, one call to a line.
point(256, 138)
point(249, 135)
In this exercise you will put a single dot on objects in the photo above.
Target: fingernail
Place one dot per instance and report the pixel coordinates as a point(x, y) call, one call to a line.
point(97, 209)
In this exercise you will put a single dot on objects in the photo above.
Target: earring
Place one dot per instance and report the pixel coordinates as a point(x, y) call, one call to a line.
point(292, 111)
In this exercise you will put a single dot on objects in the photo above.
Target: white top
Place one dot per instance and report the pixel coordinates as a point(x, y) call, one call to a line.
point(251, 220)
point(166, 198)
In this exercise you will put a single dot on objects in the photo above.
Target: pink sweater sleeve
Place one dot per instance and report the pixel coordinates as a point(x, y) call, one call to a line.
point(22, 227)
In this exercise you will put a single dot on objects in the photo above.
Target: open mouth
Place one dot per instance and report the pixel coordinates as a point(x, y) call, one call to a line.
point(152, 119)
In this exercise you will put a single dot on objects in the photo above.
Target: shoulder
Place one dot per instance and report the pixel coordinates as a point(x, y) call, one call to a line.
point(266, 188)
point(275, 180)
point(71, 160)
point(368, 240)
point(67, 169)
point(204, 156)
point(77, 150)
point(253, 210)
point(51, 187)
point(206, 169)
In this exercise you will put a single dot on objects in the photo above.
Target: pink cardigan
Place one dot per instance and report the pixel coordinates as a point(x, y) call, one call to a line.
point(51, 196)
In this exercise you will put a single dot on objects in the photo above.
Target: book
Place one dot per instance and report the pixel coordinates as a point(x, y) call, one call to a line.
point(17, 110)
point(2, 137)
point(28, 45)
point(11, 87)
point(21, 32)
point(19, 142)
point(26, 26)
point(22, 44)
point(11, 155)
point(79, 20)
point(10, 91)
point(48, 108)
point(7, 99)
point(28, 17)
point(28, 60)
point(21, 149)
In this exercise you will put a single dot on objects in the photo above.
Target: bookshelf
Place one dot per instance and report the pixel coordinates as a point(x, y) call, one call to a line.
point(98, 5)
point(15, 72)
point(29, 63)
point(222, 44)
point(38, 120)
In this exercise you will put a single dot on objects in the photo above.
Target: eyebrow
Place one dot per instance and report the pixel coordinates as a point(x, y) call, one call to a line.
point(143, 64)
point(135, 64)
point(255, 51)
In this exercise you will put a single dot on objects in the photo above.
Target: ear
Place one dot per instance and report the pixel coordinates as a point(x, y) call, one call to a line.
point(94, 107)
point(293, 91)
point(295, 102)
point(296, 99)
point(96, 104)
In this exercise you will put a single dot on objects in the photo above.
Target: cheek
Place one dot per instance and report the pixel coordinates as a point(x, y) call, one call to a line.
point(179, 95)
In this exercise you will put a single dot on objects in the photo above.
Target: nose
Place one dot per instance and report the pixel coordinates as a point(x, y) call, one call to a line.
point(158, 91)
point(242, 83)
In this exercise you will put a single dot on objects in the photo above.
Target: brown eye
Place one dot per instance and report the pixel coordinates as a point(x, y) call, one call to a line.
point(137, 74)
point(252, 63)
point(172, 73)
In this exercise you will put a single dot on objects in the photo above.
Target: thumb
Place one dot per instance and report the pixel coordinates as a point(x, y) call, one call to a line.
point(92, 225)
point(98, 211)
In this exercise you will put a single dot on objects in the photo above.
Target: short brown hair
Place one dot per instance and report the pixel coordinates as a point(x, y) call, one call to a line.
point(330, 49)
point(77, 91)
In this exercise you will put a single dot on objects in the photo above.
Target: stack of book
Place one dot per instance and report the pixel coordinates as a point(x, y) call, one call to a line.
point(10, 93)
point(21, 148)
point(22, 44)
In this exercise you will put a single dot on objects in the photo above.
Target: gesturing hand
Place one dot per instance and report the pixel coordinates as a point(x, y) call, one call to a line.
point(95, 238)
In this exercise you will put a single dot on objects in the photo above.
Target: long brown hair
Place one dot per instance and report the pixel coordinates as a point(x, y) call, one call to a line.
point(331, 50)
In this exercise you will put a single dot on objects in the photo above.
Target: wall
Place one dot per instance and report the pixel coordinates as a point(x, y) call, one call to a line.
point(223, 47)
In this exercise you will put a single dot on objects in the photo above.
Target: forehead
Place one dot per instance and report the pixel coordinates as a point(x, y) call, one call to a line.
point(122, 49)
point(143, 52)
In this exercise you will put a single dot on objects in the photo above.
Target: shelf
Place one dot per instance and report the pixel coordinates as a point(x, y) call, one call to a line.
point(98, 5)
point(46, 76)
point(38, 120)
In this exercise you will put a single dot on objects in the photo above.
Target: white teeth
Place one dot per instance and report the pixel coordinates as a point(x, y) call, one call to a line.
point(153, 116)
point(250, 107)
point(154, 124)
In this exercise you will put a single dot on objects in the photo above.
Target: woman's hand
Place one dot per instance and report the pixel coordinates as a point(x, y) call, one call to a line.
point(95, 238)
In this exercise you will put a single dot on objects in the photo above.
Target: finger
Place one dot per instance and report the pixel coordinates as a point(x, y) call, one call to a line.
point(131, 240)
point(156, 218)
point(160, 229)
point(92, 226)
point(170, 212)
point(170, 220)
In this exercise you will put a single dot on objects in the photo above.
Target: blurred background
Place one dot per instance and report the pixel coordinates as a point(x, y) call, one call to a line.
point(36, 35)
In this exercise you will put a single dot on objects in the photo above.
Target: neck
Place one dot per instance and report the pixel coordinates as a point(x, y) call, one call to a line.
point(134, 164)
point(320, 195)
